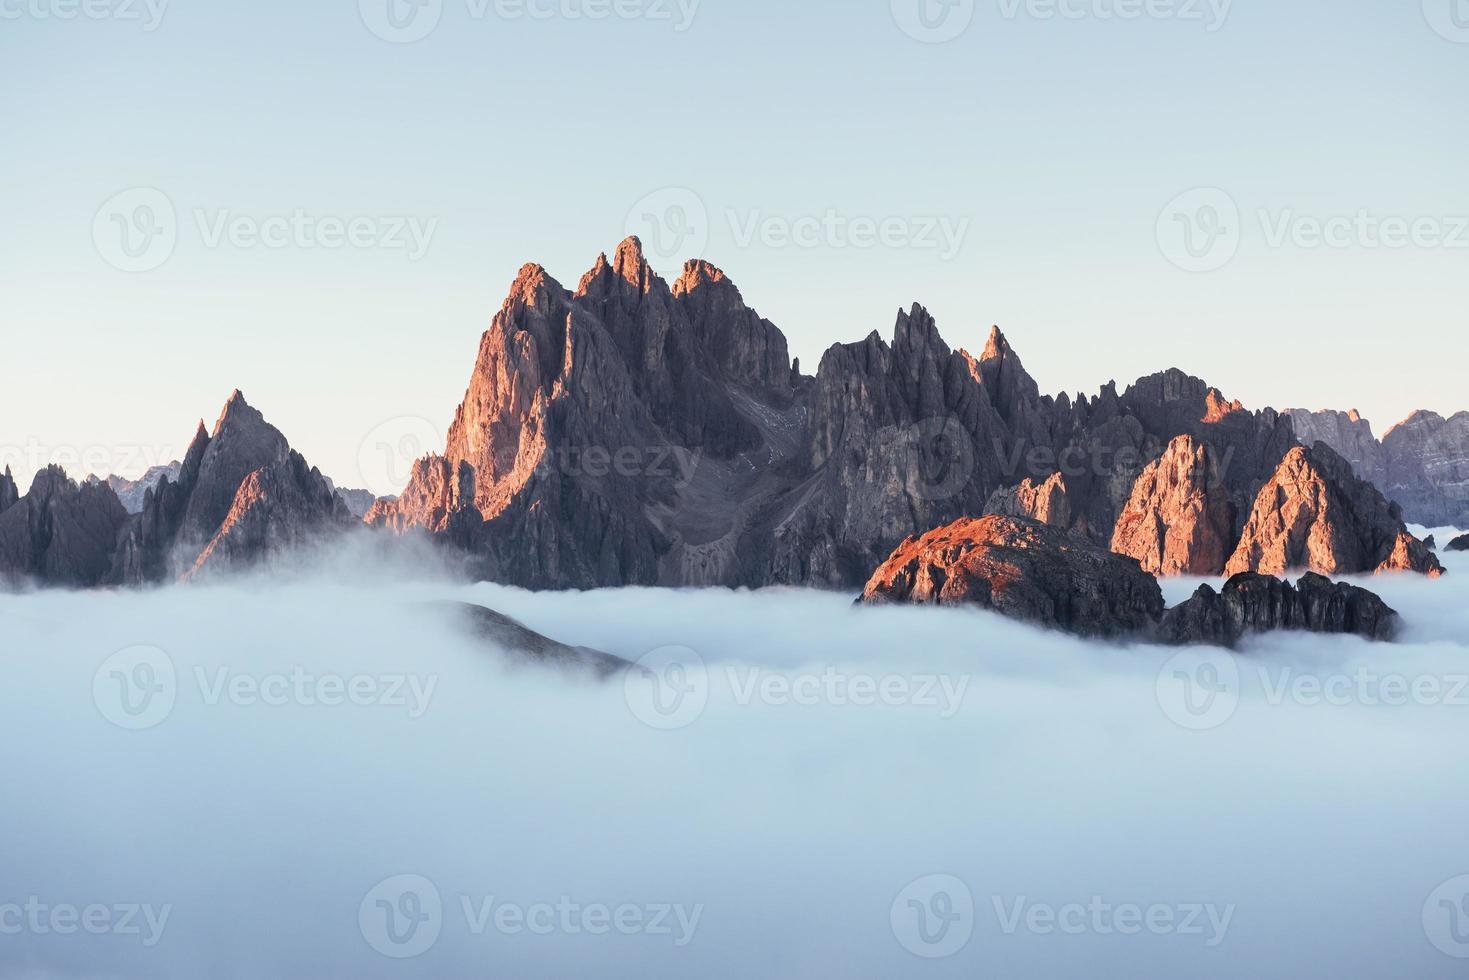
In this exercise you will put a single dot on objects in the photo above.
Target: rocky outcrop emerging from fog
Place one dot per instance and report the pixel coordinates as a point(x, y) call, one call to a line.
point(130, 493)
point(1315, 514)
point(1460, 543)
point(241, 495)
point(1045, 576)
point(60, 533)
point(1251, 603)
point(277, 508)
point(1422, 463)
point(1027, 571)
point(1179, 519)
point(522, 645)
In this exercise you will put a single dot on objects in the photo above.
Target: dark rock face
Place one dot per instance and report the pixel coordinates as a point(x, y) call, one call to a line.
point(1179, 519)
point(1025, 570)
point(523, 644)
point(1315, 514)
point(745, 347)
point(1252, 603)
point(9, 493)
point(1422, 463)
point(1460, 543)
point(277, 507)
point(59, 533)
point(241, 495)
point(131, 492)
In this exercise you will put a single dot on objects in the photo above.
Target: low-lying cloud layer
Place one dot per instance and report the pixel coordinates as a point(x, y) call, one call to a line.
point(316, 778)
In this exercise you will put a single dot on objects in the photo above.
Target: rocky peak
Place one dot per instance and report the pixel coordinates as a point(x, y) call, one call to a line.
point(9, 493)
point(1314, 514)
point(241, 443)
point(277, 507)
point(1178, 520)
point(1345, 432)
point(629, 264)
point(60, 533)
point(745, 347)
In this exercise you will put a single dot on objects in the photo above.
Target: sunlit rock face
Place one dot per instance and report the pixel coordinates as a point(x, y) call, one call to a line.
point(1028, 571)
point(1314, 514)
point(1179, 519)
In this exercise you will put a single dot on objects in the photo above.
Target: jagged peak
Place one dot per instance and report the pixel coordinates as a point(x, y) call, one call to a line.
point(236, 409)
point(916, 329)
point(701, 272)
point(996, 345)
point(628, 261)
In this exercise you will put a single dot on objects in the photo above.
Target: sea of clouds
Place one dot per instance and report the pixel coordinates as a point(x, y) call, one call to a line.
point(308, 775)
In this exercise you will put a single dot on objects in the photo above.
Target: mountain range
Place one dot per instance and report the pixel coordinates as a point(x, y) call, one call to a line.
point(632, 431)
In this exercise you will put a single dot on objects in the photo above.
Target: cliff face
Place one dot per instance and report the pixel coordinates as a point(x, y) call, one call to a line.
point(59, 533)
point(1422, 463)
point(276, 508)
point(1179, 519)
point(9, 493)
point(1315, 514)
point(241, 495)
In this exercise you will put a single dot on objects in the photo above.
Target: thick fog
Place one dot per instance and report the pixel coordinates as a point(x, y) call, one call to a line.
point(313, 777)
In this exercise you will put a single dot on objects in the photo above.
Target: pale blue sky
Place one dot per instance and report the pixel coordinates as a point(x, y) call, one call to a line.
point(1058, 141)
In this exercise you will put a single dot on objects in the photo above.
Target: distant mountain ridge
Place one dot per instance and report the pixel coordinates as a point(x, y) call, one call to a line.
point(633, 432)
point(1422, 463)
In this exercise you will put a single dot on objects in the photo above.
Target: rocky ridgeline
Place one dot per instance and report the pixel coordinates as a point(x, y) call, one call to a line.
point(1422, 463)
point(772, 477)
point(633, 432)
point(1047, 576)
